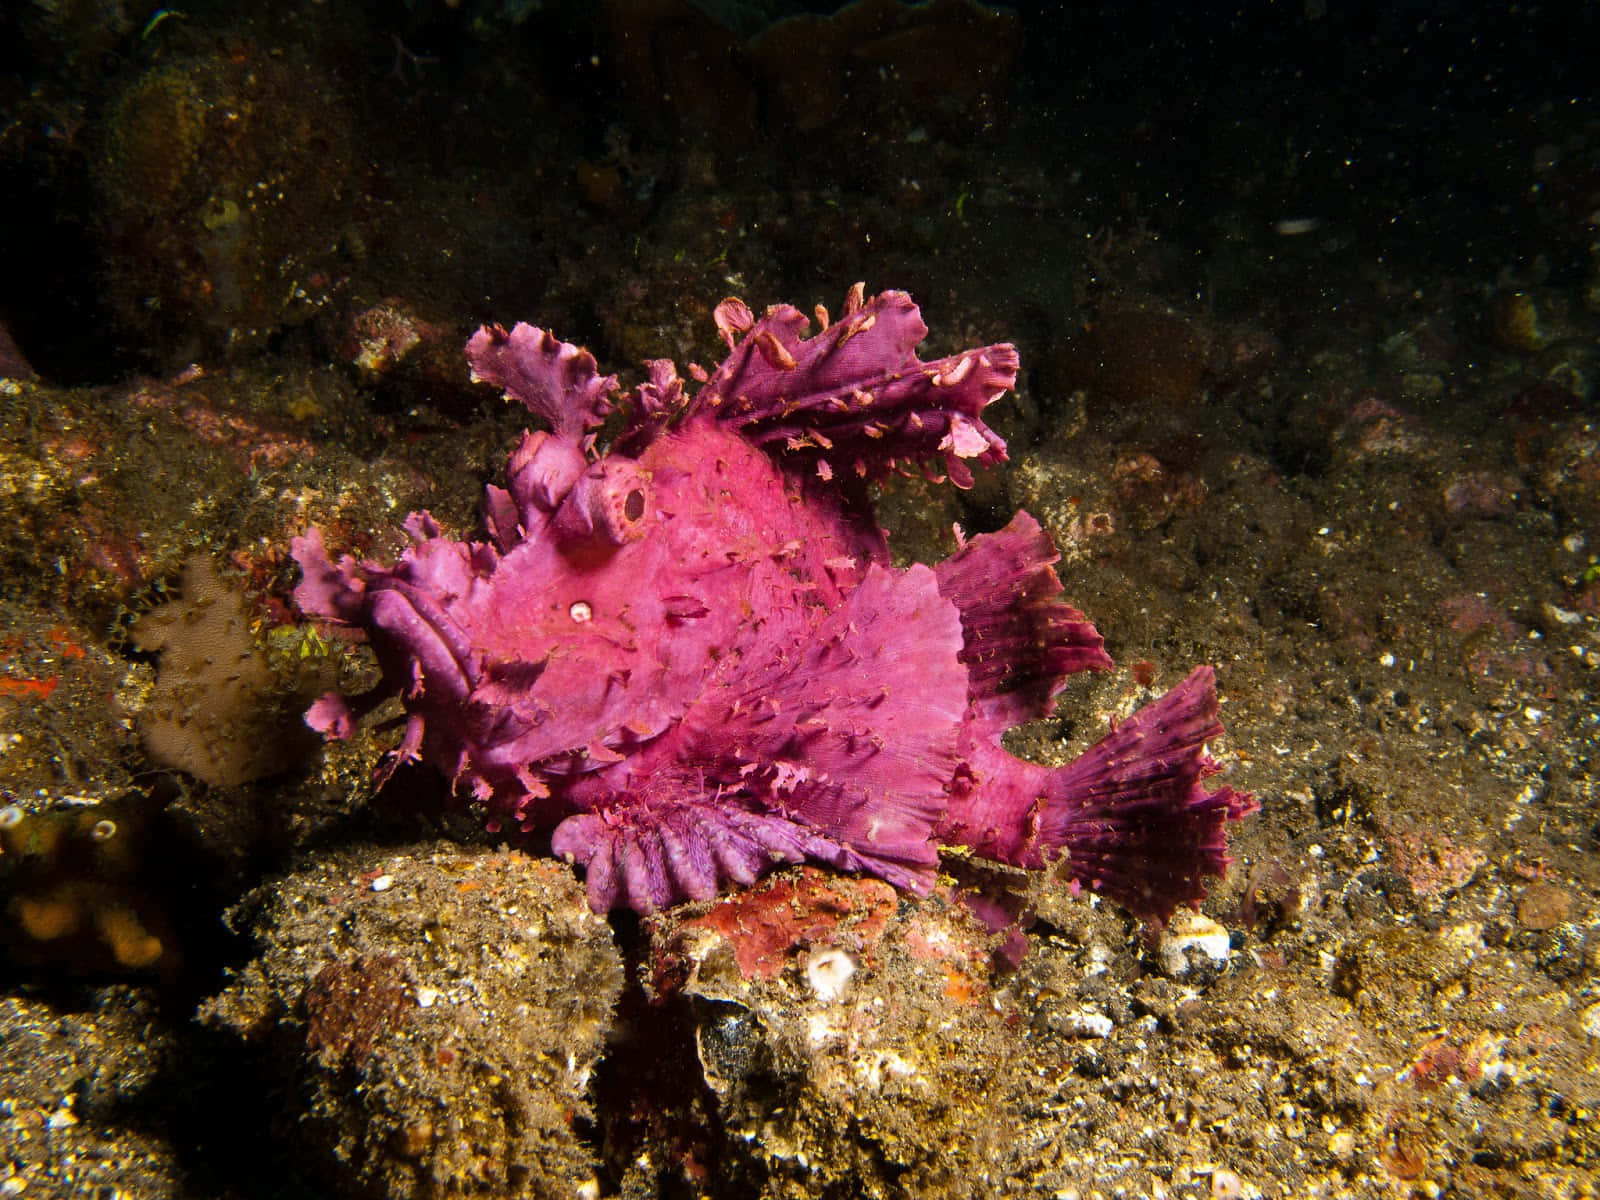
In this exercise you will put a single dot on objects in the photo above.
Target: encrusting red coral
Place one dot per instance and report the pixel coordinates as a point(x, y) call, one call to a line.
point(688, 658)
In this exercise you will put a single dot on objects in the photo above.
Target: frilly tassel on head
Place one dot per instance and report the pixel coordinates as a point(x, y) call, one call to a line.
point(555, 379)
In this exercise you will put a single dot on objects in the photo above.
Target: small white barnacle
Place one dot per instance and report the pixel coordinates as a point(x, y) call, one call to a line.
point(581, 611)
point(828, 972)
point(104, 830)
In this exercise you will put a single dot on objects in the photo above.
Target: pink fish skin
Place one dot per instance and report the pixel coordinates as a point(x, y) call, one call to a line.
point(685, 658)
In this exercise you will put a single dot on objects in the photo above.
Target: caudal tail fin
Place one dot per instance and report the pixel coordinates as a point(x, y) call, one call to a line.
point(1131, 814)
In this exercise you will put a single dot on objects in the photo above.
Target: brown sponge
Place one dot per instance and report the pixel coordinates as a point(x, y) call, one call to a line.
point(217, 711)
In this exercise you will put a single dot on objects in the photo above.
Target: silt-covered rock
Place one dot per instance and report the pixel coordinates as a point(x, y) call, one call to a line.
point(433, 1018)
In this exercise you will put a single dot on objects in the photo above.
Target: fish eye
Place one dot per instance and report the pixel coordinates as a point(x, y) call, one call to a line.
point(633, 505)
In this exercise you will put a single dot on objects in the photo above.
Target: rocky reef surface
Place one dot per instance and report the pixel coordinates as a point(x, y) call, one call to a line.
point(1308, 392)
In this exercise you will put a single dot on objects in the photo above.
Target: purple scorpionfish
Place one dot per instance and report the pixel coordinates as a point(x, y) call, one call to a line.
point(686, 658)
